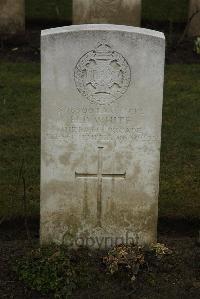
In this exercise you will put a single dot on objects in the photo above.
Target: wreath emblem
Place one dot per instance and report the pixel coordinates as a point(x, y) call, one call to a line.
point(102, 75)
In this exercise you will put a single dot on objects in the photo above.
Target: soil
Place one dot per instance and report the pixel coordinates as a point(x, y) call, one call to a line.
point(179, 277)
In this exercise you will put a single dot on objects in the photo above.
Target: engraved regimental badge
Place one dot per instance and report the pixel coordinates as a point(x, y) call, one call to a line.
point(102, 75)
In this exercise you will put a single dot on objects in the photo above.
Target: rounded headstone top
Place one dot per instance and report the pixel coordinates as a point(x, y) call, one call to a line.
point(103, 27)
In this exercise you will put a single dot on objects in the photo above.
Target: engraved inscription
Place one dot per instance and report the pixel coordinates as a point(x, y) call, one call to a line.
point(109, 124)
point(99, 176)
point(102, 75)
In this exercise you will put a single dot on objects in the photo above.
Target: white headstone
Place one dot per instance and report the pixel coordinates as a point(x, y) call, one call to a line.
point(122, 12)
point(194, 12)
point(12, 16)
point(102, 92)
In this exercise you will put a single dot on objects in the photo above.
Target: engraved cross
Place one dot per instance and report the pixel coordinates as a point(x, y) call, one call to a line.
point(99, 176)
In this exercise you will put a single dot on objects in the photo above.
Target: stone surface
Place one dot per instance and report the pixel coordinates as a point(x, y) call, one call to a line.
point(122, 12)
point(12, 16)
point(194, 27)
point(102, 91)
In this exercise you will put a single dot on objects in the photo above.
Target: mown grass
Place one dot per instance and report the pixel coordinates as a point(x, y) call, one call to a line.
point(165, 10)
point(153, 10)
point(180, 156)
point(20, 140)
point(20, 136)
point(50, 10)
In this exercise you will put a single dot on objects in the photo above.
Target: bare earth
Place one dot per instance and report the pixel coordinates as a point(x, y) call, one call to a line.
point(178, 278)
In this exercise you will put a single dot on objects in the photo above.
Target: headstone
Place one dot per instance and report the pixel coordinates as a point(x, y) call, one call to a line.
point(102, 92)
point(12, 16)
point(122, 12)
point(194, 26)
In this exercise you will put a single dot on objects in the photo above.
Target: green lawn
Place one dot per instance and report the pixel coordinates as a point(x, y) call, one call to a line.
point(180, 162)
point(152, 10)
point(20, 135)
point(20, 140)
point(165, 10)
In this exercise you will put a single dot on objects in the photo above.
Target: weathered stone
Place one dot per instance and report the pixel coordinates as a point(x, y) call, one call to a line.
point(12, 16)
point(102, 90)
point(194, 10)
point(122, 12)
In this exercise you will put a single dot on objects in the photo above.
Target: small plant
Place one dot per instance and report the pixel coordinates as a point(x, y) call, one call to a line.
point(59, 271)
point(197, 45)
point(132, 259)
point(52, 270)
point(127, 258)
point(160, 250)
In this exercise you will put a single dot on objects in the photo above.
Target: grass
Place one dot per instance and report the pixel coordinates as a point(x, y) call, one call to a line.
point(20, 135)
point(180, 163)
point(153, 10)
point(50, 10)
point(165, 10)
point(20, 140)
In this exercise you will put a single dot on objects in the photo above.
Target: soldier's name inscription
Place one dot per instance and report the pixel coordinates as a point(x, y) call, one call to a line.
point(96, 116)
point(101, 124)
